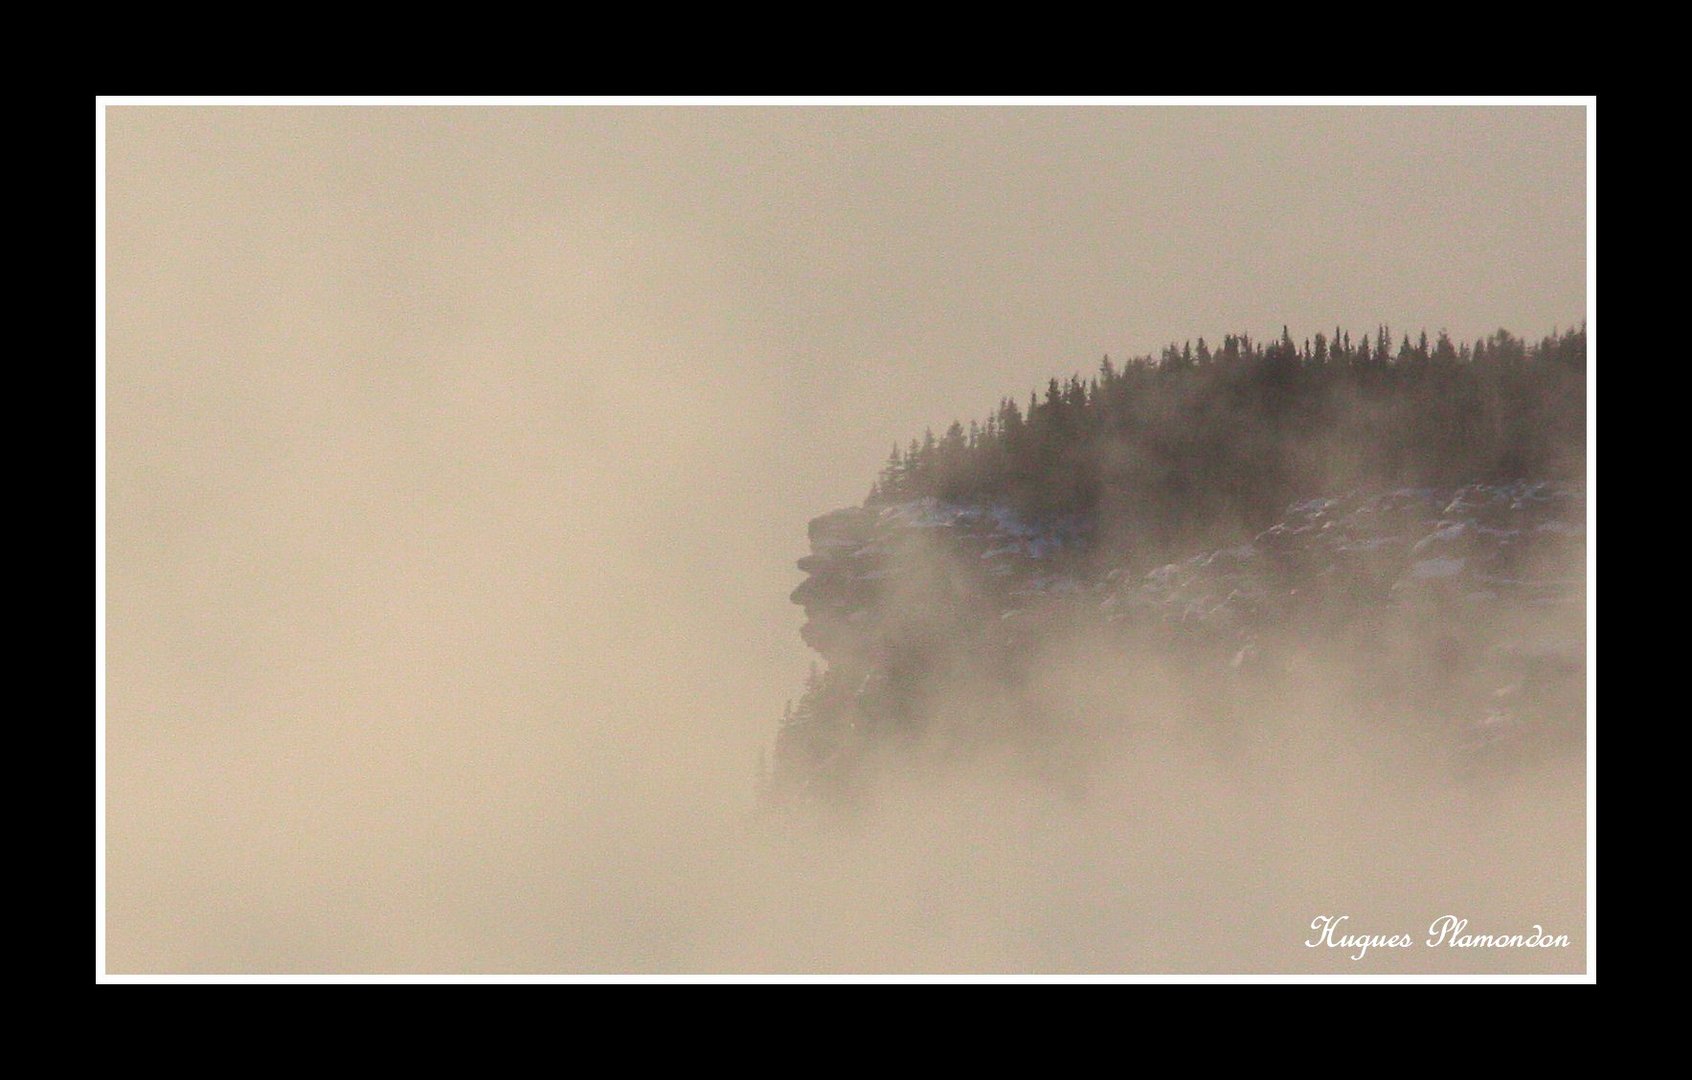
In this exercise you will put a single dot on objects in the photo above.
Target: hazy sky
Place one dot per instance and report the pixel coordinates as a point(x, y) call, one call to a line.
point(458, 457)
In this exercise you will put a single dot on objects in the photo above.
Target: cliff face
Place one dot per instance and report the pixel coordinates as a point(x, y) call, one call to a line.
point(881, 575)
point(1472, 597)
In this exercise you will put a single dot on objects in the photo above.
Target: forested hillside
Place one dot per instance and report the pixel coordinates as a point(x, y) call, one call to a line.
point(1163, 450)
point(1415, 516)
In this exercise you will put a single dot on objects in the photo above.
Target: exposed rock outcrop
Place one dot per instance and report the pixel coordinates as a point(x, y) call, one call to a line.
point(1486, 580)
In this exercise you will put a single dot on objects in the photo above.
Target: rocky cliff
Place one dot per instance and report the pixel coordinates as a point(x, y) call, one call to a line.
point(1470, 597)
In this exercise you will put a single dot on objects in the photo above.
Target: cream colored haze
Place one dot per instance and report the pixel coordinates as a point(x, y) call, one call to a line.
point(457, 460)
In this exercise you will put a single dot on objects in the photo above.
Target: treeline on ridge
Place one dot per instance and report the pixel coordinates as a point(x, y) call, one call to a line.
point(1167, 449)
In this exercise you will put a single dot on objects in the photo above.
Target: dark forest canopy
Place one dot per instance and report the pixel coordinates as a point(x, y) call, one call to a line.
point(1171, 447)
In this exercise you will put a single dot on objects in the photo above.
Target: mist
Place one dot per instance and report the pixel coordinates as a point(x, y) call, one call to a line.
point(457, 463)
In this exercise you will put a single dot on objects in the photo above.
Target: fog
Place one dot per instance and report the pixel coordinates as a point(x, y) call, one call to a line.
point(458, 460)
